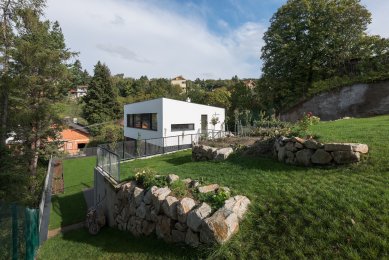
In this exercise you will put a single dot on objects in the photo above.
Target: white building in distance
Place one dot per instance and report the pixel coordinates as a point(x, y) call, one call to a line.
point(176, 121)
point(179, 81)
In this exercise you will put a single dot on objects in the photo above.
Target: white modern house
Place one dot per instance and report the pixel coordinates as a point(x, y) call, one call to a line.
point(177, 121)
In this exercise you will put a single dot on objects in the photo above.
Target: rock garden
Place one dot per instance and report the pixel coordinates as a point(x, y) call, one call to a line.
point(178, 211)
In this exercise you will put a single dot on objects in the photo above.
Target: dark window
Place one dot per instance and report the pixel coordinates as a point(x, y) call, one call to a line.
point(80, 146)
point(182, 127)
point(143, 121)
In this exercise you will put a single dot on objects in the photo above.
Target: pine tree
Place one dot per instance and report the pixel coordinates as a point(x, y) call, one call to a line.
point(101, 103)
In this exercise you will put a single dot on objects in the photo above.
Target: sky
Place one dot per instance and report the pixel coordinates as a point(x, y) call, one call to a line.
point(207, 39)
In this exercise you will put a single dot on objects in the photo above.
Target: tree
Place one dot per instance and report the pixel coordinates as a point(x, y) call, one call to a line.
point(8, 19)
point(78, 76)
point(39, 66)
point(101, 103)
point(310, 40)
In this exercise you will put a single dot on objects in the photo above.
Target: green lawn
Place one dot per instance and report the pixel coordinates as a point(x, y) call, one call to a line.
point(296, 212)
point(70, 207)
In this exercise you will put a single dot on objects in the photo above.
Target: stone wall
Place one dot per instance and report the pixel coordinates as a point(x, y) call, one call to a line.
point(360, 100)
point(310, 152)
point(147, 211)
point(208, 153)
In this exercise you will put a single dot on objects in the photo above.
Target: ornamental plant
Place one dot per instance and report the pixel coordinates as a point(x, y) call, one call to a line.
point(307, 120)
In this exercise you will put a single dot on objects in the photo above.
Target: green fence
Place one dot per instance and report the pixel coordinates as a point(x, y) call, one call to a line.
point(19, 231)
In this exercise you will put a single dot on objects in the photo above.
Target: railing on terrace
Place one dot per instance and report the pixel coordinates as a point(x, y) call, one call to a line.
point(109, 156)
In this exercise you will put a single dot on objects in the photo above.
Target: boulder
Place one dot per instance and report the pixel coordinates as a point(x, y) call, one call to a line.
point(281, 154)
point(194, 184)
point(238, 204)
point(208, 188)
point(298, 140)
point(163, 228)
point(178, 236)
point(312, 144)
point(181, 226)
point(211, 152)
point(290, 147)
point(148, 227)
point(321, 157)
point(222, 154)
point(148, 195)
point(158, 196)
point(172, 178)
point(187, 181)
point(333, 147)
point(169, 207)
point(132, 208)
point(138, 195)
point(196, 216)
point(191, 238)
point(219, 227)
point(343, 157)
point(183, 207)
point(141, 211)
point(290, 155)
point(153, 215)
point(298, 146)
point(303, 157)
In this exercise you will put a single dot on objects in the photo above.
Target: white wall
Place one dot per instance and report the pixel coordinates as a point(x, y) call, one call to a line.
point(151, 106)
point(181, 112)
point(174, 112)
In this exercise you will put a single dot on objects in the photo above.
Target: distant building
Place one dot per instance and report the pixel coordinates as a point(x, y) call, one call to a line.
point(249, 83)
point(180, 81)
point(74, 138)
point(80, 91)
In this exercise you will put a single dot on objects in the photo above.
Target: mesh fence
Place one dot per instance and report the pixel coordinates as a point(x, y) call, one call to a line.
point(19, 231)
point(109, 156)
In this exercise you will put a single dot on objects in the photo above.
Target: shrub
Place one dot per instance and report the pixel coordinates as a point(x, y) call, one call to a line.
point(179, 189)
point(214, 199)
point(302, 126)
point(148, 178)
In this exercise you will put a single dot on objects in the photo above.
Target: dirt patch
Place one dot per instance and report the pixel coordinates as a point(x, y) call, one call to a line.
point(57, 185)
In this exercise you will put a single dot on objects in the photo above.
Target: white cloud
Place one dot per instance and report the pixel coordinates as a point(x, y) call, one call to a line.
point(380, 18)
point(138, 38)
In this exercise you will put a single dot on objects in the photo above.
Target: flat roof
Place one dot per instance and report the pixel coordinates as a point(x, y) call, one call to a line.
point(150, 100)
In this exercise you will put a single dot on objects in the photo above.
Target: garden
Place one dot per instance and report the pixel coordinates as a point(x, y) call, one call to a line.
point(295, 212)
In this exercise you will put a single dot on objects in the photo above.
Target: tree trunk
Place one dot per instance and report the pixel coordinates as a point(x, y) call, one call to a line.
point(33, 164)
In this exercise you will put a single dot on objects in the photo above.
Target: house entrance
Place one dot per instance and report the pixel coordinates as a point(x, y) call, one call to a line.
point(204, 124)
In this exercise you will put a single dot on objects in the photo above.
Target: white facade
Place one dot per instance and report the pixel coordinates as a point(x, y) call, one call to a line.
point(173, 116)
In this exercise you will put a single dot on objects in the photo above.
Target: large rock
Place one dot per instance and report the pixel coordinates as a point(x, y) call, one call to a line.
point(303, 157)
point(141, 211)
point(333, 147)
point(290, 147)
point(172, 178)
point(149, 194)
point(178, 236)
point(196, 216)
point(208, 188)
point(148, 227)
point(192, 238)
point(321, 157)
point(211, 152)
point(158, 196)
point(183, 207)
point(219, 227)
point(281, 154)
point(169, 207)
point(344, 157)
point(138, 195)
point(238, 204)
point(312, 144)
point(223, 154)
point(163, 228)
point(181, 226)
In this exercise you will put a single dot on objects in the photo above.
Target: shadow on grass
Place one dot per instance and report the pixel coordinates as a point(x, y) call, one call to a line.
point(68, 209)
point(114, 243)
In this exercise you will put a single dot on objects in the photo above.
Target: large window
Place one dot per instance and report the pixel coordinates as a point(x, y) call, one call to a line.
point(182, 127)
point(142, 121)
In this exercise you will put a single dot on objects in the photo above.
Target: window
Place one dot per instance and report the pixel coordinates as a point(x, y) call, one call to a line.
point(182, 127)
point(142, 121)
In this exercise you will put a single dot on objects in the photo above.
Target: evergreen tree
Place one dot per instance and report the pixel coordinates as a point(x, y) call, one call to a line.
point(101, 103)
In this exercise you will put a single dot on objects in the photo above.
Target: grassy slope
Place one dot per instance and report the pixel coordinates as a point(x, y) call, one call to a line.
point(70, 207)
point(296, 212)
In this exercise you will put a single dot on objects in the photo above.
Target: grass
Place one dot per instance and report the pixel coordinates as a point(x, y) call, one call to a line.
point(296, 212)
point(70, 207)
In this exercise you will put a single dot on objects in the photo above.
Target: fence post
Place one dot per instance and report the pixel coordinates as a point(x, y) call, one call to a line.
point(136, 149)
point(145, 147)
point(123, 150)
point(163, 144)
point(178, 143)
point(191, 140)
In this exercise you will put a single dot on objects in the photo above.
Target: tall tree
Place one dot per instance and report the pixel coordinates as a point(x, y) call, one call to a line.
point(310, 40)
point(8, 19)
point(101, 103)
point(77, 75)
point(39, 57)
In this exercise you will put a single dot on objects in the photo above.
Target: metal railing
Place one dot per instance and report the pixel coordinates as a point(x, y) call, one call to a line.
point(110, 155)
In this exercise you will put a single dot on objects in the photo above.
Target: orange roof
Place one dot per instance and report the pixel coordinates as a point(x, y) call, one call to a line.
point(178, 78)
point(71, 134)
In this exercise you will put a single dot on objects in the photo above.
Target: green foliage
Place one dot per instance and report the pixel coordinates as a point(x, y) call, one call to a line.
point(101, 103)
point(179, 189)
point(214, 199)
point(109, 133)
point(304, 123)
point(148, 178)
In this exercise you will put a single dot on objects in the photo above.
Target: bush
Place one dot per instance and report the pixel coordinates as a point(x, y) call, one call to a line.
point(302, 126)
point(215, 200)
point(179, 189)
point(148, 178)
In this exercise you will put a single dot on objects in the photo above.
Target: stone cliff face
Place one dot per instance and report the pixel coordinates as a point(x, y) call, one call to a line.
point(360, 100)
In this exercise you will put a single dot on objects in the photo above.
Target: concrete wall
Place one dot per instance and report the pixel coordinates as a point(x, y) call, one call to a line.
point(360, 100)
point(170, 112)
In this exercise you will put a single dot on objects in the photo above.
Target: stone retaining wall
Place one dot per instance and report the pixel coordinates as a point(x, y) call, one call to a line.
point(208, 153)
point(310, 152)
point(144, 212)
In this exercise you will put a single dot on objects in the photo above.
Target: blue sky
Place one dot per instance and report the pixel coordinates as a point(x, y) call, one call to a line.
point(166, 38)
